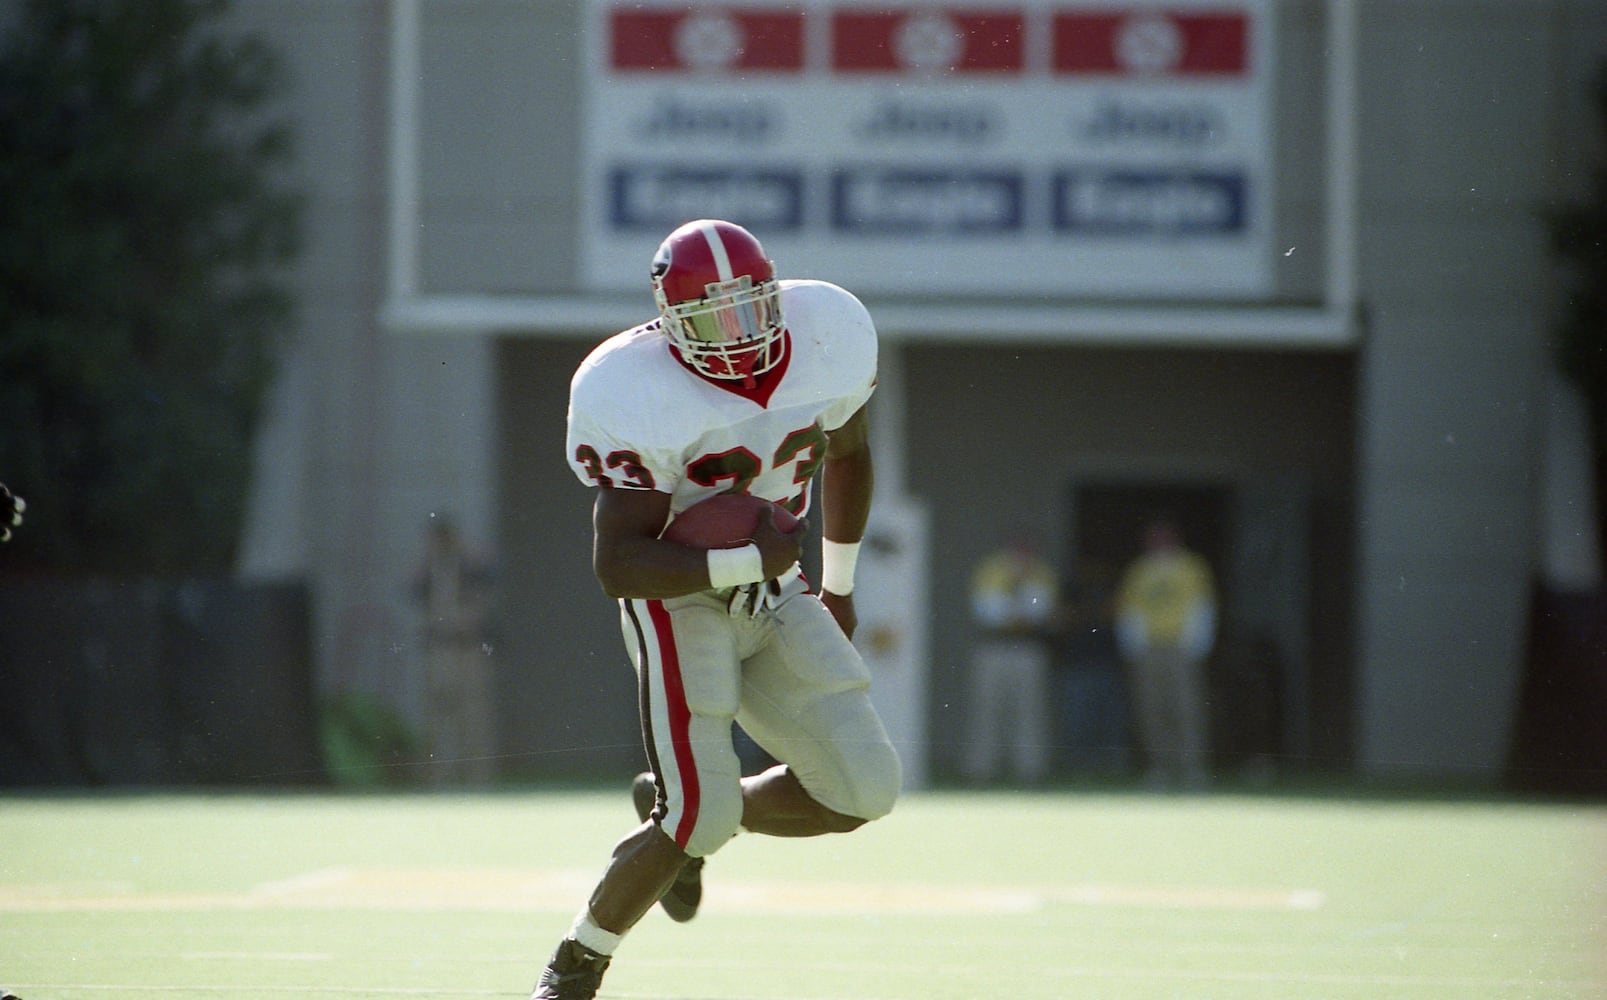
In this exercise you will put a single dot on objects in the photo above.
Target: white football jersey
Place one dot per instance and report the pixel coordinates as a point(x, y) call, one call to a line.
point(639, 419)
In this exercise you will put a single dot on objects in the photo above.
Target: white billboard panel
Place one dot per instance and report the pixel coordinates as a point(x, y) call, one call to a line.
point(1115, 150)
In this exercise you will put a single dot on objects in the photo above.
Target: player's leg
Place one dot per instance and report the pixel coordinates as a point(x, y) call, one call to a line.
point(985, 727)
point(775, 803)
point(1165, 665)
point(806, 700)
point(682, 899)
point(687, 666)
point(1193, 725)
point(1030, 713)
point(1149, 713)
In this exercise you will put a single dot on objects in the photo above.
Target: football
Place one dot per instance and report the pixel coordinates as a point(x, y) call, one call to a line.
point(723, 521)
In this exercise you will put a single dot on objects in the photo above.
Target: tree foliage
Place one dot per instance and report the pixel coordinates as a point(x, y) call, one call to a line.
point(145, 232)
point(1579, 237)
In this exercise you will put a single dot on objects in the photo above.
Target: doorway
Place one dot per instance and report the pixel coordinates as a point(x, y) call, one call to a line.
point(1253, 532)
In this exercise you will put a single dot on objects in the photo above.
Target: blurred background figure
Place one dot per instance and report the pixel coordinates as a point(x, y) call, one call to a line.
point(11, 508)
point(453, 587)
point(1015, 606)
point(1165, 628)
point(1093, 734)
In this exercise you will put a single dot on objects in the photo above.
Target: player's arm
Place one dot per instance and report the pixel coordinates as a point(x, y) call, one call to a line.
point(631, 561)
point(848, 480)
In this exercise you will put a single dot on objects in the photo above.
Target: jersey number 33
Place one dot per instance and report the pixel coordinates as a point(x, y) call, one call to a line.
point(732, 471)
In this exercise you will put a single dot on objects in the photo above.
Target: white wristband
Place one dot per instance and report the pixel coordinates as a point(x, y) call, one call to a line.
point(837, 561)
point(735, 567)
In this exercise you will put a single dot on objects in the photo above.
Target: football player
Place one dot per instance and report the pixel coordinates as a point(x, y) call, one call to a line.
point(750, 385)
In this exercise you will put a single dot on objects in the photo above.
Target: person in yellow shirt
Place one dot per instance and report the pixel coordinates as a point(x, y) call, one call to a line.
point(1166, 610)
point(1015, 603)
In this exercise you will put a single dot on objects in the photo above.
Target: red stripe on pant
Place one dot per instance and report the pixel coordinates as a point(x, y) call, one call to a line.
point(680, 719)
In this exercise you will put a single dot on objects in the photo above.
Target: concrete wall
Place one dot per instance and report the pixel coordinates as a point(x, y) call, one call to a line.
point(1421, 441)
point(501, 117)
point(1462, 111)
point(369, 434)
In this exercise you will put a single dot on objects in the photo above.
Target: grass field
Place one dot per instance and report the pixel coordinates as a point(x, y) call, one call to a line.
point(1104, 895)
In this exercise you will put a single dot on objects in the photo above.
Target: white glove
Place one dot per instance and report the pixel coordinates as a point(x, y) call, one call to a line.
point(753, 599)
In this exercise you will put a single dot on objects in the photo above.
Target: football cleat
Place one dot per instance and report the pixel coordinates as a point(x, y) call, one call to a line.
point(575, 973)
point(685, 894)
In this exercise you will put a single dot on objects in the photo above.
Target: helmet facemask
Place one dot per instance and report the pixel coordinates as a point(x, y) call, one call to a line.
point(734, 332)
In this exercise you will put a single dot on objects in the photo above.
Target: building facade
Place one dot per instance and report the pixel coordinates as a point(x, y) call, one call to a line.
point(1284, 274)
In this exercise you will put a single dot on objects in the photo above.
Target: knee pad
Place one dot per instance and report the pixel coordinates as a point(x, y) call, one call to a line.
point(718, 816)
point(876, 781)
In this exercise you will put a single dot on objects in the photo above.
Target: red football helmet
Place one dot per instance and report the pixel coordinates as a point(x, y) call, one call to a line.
point(717, 293)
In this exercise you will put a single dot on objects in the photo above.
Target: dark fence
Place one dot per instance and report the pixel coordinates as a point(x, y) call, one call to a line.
point(155, 682)
point(1561, 740)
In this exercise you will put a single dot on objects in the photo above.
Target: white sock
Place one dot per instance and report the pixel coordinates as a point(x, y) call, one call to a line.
point(589, 934)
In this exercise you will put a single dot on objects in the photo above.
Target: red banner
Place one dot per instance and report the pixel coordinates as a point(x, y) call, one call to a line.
point(668, 40)
point(927, 39)
point(1166, 43)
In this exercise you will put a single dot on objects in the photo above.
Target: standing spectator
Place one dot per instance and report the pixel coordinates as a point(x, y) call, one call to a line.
point(1166, 626)
point(454, 588)
point(1093, 729)
point(1014, 602)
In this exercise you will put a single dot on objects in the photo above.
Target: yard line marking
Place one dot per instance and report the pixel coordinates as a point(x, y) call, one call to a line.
point(1192, 898)
point(527, 890)
point(256, 990)
point(66, 890)
point(1181, 975)
point(256, 956)
point(830, 899)
point(305, 882)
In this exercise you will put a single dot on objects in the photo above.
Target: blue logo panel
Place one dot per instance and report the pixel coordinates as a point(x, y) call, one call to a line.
point(1136, 202)
point(873, 201)
point(663, 197)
